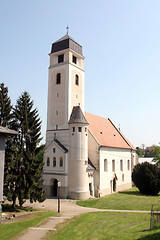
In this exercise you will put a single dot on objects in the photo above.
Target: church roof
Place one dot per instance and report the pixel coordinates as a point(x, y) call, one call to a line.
point(77, 116)
point(61, 145)
point(106, 133)
point(66, 42)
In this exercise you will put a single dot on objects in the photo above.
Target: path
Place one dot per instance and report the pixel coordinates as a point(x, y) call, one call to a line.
point(69, 209)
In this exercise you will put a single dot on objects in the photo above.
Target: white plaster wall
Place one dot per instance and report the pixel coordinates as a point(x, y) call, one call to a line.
point(117, 155)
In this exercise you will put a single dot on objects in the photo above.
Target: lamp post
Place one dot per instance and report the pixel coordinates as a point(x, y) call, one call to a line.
point(58, 185)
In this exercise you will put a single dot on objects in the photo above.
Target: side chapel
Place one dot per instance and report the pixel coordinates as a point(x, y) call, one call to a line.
point(85, 152)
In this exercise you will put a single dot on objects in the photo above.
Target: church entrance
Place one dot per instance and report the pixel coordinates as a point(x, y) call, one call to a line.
point(54, 184)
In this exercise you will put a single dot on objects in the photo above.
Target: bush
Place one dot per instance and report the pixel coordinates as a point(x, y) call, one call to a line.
point(146, 177)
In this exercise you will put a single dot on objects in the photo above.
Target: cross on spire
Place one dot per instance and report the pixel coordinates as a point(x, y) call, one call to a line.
point(67, 29)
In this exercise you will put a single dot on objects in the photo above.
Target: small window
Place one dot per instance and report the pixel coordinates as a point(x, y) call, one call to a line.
point(56, 127)
point(61, 162)
point(79, 129)
point(54, 135)
point(76, 96)
point(48, 161)
point(54, 162)
point(73, 129)
point(61, 58)
point(76, 80)
point(58, 80)
point(85, 129)
point(54, 150)
point(57, 95)
point(56, 113)
point(128, 165)
point(113, 165)
point(121, 165)
point(105, 165)
point(74, 59)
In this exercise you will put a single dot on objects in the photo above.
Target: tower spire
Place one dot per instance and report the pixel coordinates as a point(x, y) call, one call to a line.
point(67, 29)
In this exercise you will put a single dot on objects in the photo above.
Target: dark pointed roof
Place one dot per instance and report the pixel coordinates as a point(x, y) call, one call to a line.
point(66, 42)
point(77, 116)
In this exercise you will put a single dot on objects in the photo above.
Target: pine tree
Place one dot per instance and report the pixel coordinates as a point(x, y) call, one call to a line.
point(23, 178)
point(5, 106)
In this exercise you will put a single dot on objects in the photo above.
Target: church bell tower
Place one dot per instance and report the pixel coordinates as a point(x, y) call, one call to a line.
point(65, 85)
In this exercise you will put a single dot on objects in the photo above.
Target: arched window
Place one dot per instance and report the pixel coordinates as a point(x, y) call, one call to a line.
point(54, 162)
point(58, 79)
point(128, 165)
point(105, 165)
point(48, 161)
point(61, 162)
point(76, 80)
point(121, 165)
point(113, 165)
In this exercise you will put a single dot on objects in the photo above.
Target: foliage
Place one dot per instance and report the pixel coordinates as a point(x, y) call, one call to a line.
point(23, 168)
point(5, 106)
point(128, 200)
point(106, 225)
point(156, 153)
point(139, 152)
point(146, 178)
point(8, 231)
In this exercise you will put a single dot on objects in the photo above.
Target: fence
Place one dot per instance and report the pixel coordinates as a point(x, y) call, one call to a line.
point(155, 218)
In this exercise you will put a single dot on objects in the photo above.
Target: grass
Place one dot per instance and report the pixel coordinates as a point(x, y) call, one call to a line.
point(127, 200)
point(106, 225)
point(7, 231)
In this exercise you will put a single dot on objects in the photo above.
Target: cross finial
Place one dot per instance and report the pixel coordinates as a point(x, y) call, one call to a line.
point(67, 29)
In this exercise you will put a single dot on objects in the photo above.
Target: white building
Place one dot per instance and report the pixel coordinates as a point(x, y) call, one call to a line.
point(86, 153)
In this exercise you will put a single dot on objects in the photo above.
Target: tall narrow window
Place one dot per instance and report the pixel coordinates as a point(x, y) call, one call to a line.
point(54, 162)
point(128, 165)
point(113, 165)
point(61, 162)
point(57, 113)
point(48, 161)
point(76, 80)
point(105, 165)
point(56, 127)
point(54, 150)
point(61, 58)
point(58, 80)
point(73, 129)
point(74, 59)
point(121, 165)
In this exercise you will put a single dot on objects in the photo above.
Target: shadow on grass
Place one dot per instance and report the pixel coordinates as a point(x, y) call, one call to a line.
point(155, 236)
point(9, 208)
point(137, 193)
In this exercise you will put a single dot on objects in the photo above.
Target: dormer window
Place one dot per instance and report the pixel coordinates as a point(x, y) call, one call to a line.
point(74, 59)
point(58, 80)
point(76, 80)
point(61, 58)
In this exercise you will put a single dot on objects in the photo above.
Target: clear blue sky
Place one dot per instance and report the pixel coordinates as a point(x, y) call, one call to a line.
point(121, 45)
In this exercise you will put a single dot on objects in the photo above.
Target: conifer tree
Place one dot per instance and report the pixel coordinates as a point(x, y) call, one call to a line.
point(5, 106)
point(23, 169)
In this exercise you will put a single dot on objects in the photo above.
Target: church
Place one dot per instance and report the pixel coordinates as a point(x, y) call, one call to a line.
point(86, 153)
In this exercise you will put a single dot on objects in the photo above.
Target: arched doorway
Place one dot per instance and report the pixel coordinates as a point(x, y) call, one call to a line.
point(53, 185)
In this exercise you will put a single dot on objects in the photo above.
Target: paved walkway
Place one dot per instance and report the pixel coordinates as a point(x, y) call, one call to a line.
point(69, 209)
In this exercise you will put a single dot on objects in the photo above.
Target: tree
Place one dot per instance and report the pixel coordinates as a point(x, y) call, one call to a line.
point(156, 154)
point(146, 177)
point(5, 106)
point(25, 178)
point(139, 152)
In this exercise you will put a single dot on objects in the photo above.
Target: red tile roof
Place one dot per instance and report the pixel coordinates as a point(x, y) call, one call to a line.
point(106, 133)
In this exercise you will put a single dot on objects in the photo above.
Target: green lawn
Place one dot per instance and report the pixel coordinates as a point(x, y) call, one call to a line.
point(7, 231)
point(106, 225)
point(128, 200)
